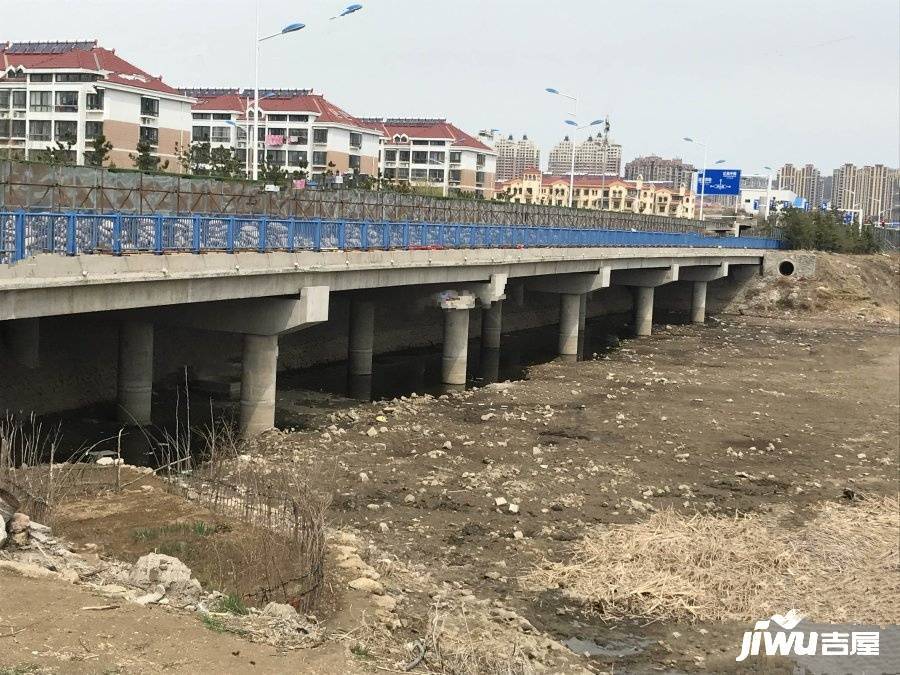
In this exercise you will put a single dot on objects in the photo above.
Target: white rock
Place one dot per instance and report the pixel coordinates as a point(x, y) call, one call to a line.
point(500, 501)
point(513, 508)
point(367, 585)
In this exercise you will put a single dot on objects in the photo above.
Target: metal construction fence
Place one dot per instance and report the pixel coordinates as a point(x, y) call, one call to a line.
point(24, 234)
point(41, 187)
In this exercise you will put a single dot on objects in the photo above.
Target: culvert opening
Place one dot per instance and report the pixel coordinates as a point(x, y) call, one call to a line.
point(786, 268)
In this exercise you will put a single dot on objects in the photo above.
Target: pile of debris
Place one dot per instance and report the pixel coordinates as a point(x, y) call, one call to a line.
point(29, 549)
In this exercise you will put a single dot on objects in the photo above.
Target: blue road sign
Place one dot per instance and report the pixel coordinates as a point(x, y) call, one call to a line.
point(719, 182)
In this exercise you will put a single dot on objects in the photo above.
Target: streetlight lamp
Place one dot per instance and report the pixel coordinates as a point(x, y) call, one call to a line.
point(290, 28)
point(768, 192)
point(573, 123)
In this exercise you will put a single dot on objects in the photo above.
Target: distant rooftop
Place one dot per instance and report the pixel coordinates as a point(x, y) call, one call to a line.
point(59, 47)
point(214, 92)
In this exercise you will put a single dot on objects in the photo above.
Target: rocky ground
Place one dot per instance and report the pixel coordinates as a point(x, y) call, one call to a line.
point(442, 506)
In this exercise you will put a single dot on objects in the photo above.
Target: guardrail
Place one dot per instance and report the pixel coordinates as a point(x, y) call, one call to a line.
point(24, 234)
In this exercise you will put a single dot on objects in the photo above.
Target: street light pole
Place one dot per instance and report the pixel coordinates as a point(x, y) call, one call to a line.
point(703, 182)
point(551, 90)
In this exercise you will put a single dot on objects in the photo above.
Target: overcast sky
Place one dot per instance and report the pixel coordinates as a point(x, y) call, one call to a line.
point(763, 82)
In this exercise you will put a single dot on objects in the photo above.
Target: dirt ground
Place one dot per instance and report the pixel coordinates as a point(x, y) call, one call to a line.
point(456, 499)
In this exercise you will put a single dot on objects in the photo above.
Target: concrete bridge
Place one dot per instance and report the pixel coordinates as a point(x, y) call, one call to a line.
point(264, 279)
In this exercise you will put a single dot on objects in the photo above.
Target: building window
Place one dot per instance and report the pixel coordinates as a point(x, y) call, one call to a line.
point(355, 162)
point(150, 135)
point(277, 118)
point(200, 134)
point(277, 131)
point(201, 116)
point(390, 174)
point(67, 101)
point(455, 176)
point(439, 143)
point(5, 99)
point(275, 157)
point(4, 128)
point(355, 140)
point(66, 131)
point(39, 130)
point(436, 157)
point(41, 101)
point(320, 136)
point(436, 175)
point(149, 107)
point(17, 129)
point(221, 116)
point(76, 77)
point(298, 118)
point(419, 174)
point(95, 101)
point(40, 77)
point(221, 135)
point(390, 155)
point(455, 157)
point(479, 162)
point(297, 157)
point(18, 99)
point(320, 158)
point(420, 142)
point(420, 157)
point(93, 130)
point(298, 136)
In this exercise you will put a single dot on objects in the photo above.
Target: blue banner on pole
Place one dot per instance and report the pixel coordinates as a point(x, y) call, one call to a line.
point(719, 182)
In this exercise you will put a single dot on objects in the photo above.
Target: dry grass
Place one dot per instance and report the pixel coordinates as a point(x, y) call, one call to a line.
point(841, 566)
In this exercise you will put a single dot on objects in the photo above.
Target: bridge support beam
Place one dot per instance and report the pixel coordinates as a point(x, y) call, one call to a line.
point(582, 325)
point(362, 337)
point(259, 371)
point(643, 310)
point(698, 302)
point(135, 377)
point(456, 309)
point(569, 322)
point(491, 325)
point(645, 281)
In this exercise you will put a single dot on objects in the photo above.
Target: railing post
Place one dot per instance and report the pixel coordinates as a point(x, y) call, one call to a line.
point(71, 234)
point(263, 232)
point(117, 234)
point(405, 236)
point(229, 234)
point(364, 236)
point(342, 236)
point(158, 234)
point(19, 250)
point(196, 225)
point(291, 235)
point(317, 235)
point(386, 236)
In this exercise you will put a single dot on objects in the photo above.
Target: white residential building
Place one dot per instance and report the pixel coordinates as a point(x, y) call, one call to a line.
point(72, 92)
point(435, 153)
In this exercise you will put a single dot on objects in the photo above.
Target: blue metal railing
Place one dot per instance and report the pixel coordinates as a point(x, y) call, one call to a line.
point(24, 234)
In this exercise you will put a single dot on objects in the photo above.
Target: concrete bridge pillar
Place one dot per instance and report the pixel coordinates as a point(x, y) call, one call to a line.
point(582, 324)
point(362, 337)
point(260, 365)
point(643, 310)
point(491, 325)
point(135, 377)
point(698, 303)
point(456, 309)
point(569, 320)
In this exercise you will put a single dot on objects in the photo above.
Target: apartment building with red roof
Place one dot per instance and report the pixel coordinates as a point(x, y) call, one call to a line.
point(299, 130)
point(608, 193)
point(76, 91)
point(435, 153)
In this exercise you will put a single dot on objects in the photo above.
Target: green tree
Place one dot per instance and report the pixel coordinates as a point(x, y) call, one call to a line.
point(99, 152)
point(61, 153)
point(145, 160)
point(194, 158)
point(798, 228)
point(224, 163)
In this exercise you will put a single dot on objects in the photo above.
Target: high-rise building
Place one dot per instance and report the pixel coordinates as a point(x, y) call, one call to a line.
point(866, 189)
point(595, 156)
point(561, 157)
point(805, 182)
point(655, 168)
point(515, 156)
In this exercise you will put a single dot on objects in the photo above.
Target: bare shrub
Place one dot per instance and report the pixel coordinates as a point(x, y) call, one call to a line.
point(840, 567)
